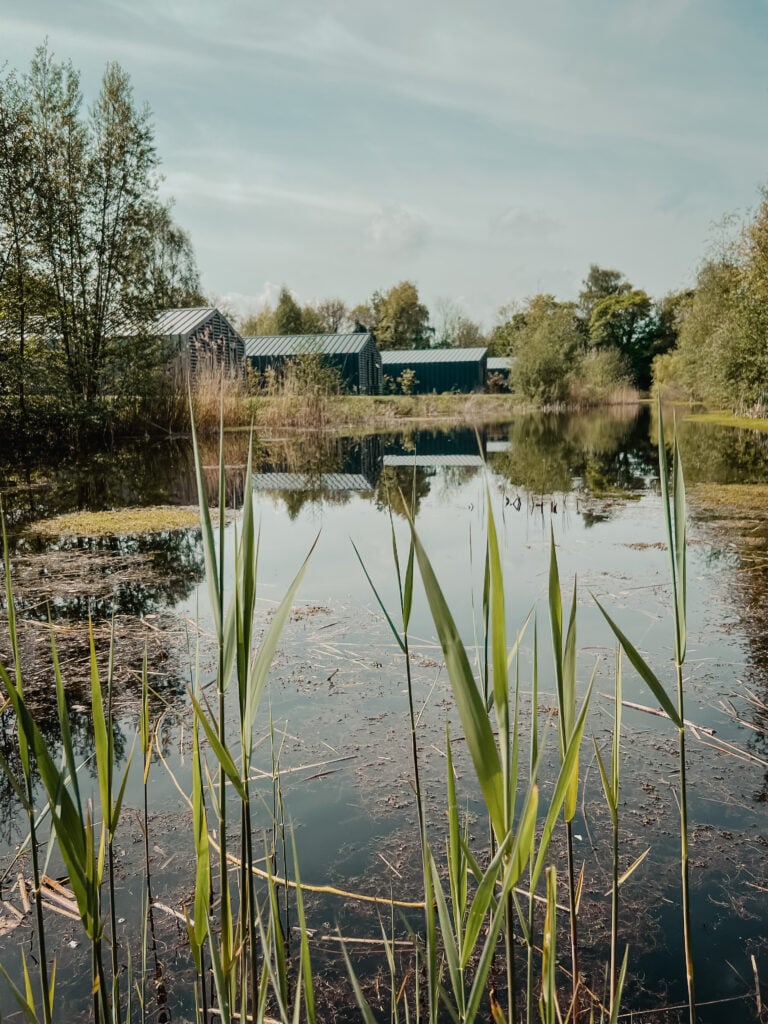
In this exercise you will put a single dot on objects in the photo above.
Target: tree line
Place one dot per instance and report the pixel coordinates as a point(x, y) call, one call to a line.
point(609, 337)
point(707, 344)
point(89, 253)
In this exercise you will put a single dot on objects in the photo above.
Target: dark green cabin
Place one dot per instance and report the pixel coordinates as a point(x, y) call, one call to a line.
point(437, 369)
point(356, 356)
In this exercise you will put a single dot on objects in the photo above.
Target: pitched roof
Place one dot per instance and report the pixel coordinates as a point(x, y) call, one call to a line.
point(500, 363)
point(432, 355)
point(297, 344)
point(182, 321)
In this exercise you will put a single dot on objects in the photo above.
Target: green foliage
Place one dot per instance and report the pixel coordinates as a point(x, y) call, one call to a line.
point(546, 346)
point(86, 245)
point(600, 283)
point(722, 358)
point(628, 324)
point(287, 317)
point(399, 319)
point(602, 372)
point(329, 316)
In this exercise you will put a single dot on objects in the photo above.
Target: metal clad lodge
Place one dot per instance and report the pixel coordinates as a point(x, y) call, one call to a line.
point(356, 356)
point(439, 369)
point(201, 336)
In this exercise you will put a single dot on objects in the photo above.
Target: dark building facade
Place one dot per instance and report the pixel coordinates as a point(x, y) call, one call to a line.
point(356, 356)
point(438, 369)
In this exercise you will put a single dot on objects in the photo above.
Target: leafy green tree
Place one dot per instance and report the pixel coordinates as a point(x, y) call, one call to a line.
point(287, 316)
point(722, 355)
point(503, 336)
point(94, 252)
point(399, 319)
point(628, 323)
point(174, 281)
point(547, 349)
point(600, 283)
point(721, 358)
point(262, 323)
point(16, 234)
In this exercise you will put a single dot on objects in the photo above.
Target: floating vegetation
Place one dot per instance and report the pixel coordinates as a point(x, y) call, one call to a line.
point(119, 522)
point(744, 499)
point(728, 419)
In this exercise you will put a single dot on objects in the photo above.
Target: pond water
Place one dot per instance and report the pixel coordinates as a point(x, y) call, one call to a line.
point(335, 711)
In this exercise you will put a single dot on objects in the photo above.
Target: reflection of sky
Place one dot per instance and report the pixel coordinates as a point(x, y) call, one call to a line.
point(630, 580)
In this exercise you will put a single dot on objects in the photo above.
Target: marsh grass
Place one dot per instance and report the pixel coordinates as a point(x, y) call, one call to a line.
point(462, 963)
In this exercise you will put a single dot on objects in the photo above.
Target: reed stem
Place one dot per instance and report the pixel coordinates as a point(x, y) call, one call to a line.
point(684, 867)
point(573, 920)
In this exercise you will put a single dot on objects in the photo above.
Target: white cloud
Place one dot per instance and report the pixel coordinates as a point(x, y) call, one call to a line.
point(244, 306)
point(395, 230)
point(518, 222)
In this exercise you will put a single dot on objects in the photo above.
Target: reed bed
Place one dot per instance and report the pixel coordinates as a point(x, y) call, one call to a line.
point(486, 939)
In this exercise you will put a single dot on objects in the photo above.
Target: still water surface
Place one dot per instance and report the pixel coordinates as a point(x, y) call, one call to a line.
point(336, 698)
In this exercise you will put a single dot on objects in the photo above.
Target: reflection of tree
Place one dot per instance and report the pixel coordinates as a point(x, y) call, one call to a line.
point(602, 453)
point(105, 576)
point(722, 455)
point(403, 488)
point(452, 478)
point(296, 500)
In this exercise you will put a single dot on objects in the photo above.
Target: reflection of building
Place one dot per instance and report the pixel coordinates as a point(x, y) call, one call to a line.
point(461, 447)
point(355, 467)
point(356, 356)
point(438, 369)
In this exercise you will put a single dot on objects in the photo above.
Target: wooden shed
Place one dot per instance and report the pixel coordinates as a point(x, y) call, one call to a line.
point(356, 356)
point(438, 369)
point(202, 336)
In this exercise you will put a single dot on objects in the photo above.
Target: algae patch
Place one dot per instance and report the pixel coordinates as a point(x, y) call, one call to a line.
point(119, 522)
point(728, 499)
point(728, 419)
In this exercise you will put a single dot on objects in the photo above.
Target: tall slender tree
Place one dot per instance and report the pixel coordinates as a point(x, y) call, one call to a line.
point(87, 249)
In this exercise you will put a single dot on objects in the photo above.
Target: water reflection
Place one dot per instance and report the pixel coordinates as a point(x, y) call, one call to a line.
point(605, 453)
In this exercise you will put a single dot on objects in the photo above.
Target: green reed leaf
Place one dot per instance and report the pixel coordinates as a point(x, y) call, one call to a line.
point(607, 787)
point(450, 947)
point(221, 753)
point(569, 766)
point(642, 668)
point(484, 899)
point(209, 545)
point(305, 959)
point(474, 718)
point(262, 663)
point(619, 989)
point(393, 628)
point(681, 548)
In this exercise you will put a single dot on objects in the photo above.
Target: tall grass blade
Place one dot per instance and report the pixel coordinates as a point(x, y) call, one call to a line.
point(471, 707)
point(643, 669)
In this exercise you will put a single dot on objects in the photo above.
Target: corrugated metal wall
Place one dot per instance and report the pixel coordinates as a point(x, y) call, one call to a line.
point(360, 371)
point(436, 375)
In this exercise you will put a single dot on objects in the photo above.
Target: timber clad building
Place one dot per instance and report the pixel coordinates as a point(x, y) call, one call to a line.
point(356, 356)
point(439, 369)
point(202, 335)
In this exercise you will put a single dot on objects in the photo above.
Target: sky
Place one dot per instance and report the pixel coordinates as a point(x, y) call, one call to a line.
point(486, 150)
